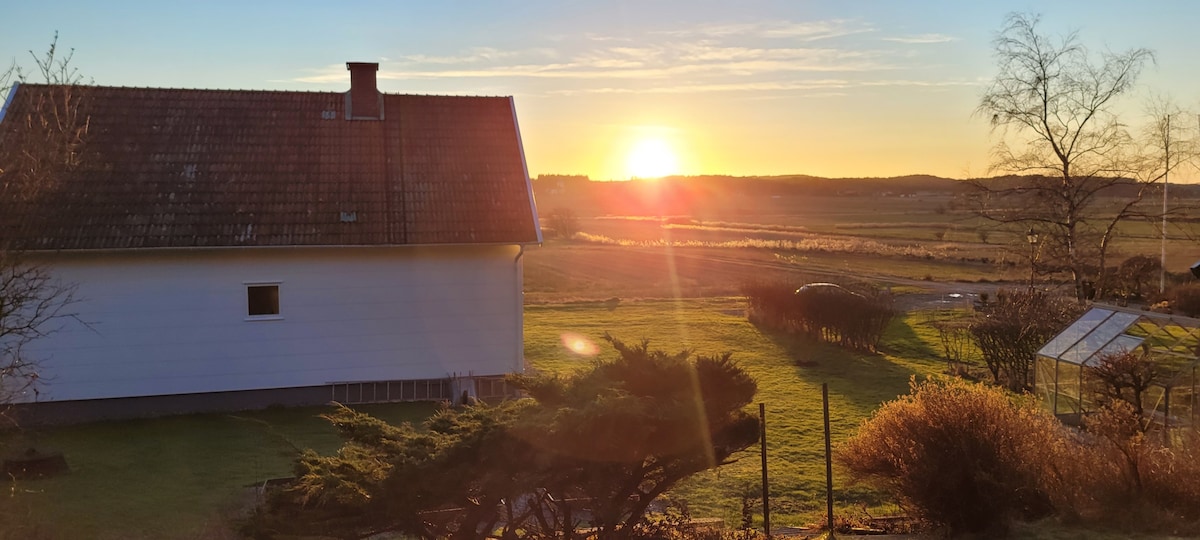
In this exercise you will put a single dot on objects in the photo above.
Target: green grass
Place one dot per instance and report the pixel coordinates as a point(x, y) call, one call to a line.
point(185, 476)
point(789, 371)
point(174, 477)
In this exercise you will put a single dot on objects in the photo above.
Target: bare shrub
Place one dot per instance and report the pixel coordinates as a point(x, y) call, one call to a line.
point(1015, 327)
point(563, 222)
point(1170, 482)
point(1118, 429)
point(42, 139)
point(972, 458)
point(867, 317)
point(1146, 485)
point(770, 305)
point(1185, 299)
point(1125, 377)
point(957, 343)
point(963, 455)
point(854, 319)
point(1134, 274)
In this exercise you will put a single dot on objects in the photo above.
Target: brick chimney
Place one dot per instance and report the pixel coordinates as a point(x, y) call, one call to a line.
point(363, 102)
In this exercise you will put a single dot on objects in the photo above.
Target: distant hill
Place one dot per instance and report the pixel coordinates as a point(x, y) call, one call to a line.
point(794, 183)
point(720, 193)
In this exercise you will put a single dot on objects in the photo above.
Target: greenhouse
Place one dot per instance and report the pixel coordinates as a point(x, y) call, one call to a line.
point(1068, 382)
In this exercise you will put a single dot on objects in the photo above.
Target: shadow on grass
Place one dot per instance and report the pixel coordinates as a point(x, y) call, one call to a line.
point(863, 380)
point(901, 339)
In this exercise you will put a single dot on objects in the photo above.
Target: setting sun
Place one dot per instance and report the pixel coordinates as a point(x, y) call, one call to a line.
point(652, 158)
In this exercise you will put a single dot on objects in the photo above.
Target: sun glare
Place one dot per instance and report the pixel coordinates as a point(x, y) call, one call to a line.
point(652, 158)
point(579, 344)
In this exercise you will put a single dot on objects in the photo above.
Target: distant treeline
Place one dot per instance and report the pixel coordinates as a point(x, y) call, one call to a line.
point(774, 185)
point(690, 195)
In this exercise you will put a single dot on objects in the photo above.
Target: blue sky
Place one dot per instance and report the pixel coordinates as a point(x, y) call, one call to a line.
point(854, 88)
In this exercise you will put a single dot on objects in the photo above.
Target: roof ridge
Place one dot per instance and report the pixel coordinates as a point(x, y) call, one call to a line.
point(251, 90)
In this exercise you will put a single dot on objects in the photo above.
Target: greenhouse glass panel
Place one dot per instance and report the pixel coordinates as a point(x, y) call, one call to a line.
point(1119, 345)
point(1043, 379)
point(1098, 338)
point(1063, 341)
point(1068, 389)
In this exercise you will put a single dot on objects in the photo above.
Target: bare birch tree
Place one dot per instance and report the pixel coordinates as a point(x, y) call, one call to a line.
point(1081, 172)
point(39, 142)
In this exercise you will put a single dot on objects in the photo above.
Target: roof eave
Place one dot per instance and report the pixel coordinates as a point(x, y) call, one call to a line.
point(537, 227)
point(275, 247)
point(8, 101)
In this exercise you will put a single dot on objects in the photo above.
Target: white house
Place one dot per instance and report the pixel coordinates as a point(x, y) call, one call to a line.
point(237, 249)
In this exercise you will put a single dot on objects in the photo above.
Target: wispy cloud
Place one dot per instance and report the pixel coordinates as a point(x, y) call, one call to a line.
point(763, 86)
point(748, 57)
point(631, 63)
point(802, 31)
point(822, 87)
point(921, 38)
point(474, 55)
point(480, 55)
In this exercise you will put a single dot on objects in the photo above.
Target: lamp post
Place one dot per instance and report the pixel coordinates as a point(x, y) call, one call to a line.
point(1032, 238)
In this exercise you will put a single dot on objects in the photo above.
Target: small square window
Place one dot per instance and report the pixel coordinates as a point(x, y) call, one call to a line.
point(262, 300)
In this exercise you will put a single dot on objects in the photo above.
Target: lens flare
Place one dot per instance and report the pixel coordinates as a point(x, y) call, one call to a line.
point(579, 344)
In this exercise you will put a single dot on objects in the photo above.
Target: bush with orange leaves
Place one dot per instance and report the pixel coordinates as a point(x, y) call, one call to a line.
point(960, 455)
point(972, 458)
point(1135, 479)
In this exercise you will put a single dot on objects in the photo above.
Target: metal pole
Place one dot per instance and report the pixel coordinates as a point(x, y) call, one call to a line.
point(1162, 263)
point(1167, 416)
point(828, 461)
point(766, 497)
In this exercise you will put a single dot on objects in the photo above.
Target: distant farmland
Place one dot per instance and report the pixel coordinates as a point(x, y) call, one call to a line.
point(725, 243)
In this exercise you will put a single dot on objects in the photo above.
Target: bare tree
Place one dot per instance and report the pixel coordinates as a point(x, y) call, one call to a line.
point(1134, 273)
point(1126, 377)
point(1080, 170)
point(564, 222)
point(40, 141)
point(1013, 330)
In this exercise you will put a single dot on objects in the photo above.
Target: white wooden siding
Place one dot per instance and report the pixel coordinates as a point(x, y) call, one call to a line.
point(175, 321)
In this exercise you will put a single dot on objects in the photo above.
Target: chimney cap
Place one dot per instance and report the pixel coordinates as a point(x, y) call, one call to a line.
point(352, 66)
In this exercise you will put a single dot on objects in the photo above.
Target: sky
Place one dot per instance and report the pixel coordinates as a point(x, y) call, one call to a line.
point(611, 89)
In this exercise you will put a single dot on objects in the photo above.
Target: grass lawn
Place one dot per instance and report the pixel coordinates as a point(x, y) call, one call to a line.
point(182, 477)
point(185, 476)
point(789, 373)
point(175, 477)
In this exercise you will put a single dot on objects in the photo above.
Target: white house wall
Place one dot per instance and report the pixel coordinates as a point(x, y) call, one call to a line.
point(175, 321)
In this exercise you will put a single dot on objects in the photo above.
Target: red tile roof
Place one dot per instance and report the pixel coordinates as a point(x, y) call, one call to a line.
point(189, 168)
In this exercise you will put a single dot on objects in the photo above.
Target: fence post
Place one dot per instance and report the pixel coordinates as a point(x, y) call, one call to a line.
point(766, 496)
point(828, 460)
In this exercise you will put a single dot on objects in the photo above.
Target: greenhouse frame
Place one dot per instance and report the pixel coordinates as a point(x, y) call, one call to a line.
point(1064, 375)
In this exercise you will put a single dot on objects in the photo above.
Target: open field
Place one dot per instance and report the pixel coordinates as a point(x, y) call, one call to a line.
point(639, 257)
point(887, 233)
point(561, 271)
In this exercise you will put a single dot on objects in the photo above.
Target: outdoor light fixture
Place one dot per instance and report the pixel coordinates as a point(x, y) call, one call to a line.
point(1032, 237)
